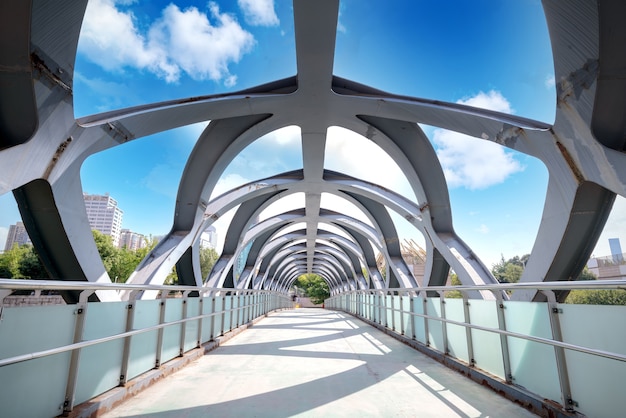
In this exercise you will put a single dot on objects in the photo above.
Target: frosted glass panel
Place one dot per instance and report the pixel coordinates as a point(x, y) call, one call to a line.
point(457, 337)
point(394, 314)
point(143, 346)
point(191, 330)
point(533, 365)
point(207, 331)
point(100, 365)
point(24, 392)
point(171, 334)
point(228, 303)
point(219, 317)
point(487, 349)
point(28, 329)
point(24, 330)
point(418, 321)
point(406, 318)
point(435, 333)
point(604, 329)
point(387, 315)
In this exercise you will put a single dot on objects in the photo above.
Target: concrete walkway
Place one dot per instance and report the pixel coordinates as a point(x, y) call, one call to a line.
point(316, 363)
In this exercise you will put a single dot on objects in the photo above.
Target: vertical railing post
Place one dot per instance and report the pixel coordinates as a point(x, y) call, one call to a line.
point(401, 308)
point(468, 330)
point(212, 336)
point(183, 326)
point(130, 323)
point(424, 295)
point(504, 342)
point(444, 324)
point(393, 312)
point(559, 352)
point(79, 328)
point(223, 314)
point(412, 315)
point(201, 319)
point(159, 347)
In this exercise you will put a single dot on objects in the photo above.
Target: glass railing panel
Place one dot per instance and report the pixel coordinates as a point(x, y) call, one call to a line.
point(487, 348)
point(191, 331)
point(100, 365)
point(406, 317)
point(143, 346)
point(228, 304)
point(171, 333)
point(533, 365)
point(397, 314)
point(457, 337)
point(387, 315)
point(602, 328)
point(417, 321)
point(219, 316)
point(25, 330)
point(435, 332)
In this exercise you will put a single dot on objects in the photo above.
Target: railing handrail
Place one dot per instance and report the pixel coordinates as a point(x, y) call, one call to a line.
point(560, 285)
point(27, 284)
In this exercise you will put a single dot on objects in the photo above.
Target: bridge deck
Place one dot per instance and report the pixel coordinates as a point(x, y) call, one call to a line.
point(316, 363)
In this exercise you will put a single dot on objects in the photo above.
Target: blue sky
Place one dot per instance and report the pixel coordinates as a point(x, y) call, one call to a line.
point(487, 53)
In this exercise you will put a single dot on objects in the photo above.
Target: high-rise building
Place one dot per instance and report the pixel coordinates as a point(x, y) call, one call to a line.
point(616, 250)
point(104, 215)
point(208, 239)
point(17, 235)
point(131, 240)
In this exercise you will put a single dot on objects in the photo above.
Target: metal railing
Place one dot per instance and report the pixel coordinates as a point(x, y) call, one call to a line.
point(197, 320)
point(416, 315)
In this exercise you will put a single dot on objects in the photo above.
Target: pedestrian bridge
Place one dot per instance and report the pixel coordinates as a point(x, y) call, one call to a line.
point(503, 358)
point(519, 340)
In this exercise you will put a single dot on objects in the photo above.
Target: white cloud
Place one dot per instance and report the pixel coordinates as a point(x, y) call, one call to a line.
point(353, 154)
point(483, 229)
point(470, 162)
point(180, 41)
point(549, 81)
point(493, 100)
point(228, 182)
point(259, 12)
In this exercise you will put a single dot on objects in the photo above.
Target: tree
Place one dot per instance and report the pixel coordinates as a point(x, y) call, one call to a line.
point(509, 271)
point(106, 249)
point(208, 258)
point(10, 262)
point(30, 266)
point(597, 297)
point(454, 281)
point(314, 287)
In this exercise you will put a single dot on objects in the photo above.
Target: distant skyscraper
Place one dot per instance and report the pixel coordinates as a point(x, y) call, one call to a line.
point(132, 240)
point(17, 235)
point(208, 239)
point(616, 250)
point(104, 215)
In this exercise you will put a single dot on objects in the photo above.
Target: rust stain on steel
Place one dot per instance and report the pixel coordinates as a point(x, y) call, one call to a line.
point(55, 158)
point(39, 65)
point(570, 162)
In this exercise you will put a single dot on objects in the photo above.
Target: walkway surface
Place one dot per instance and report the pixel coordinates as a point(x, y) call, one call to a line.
point(316, 363)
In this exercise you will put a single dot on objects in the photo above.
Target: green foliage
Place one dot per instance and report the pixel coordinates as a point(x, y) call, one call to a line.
point(314, 287)
point(509, 271)
point(586, 274)
point(597, 297)
point(21, 262)
point(120, 262)
point(208, 258)
point(454, 281)
point(30, 265)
